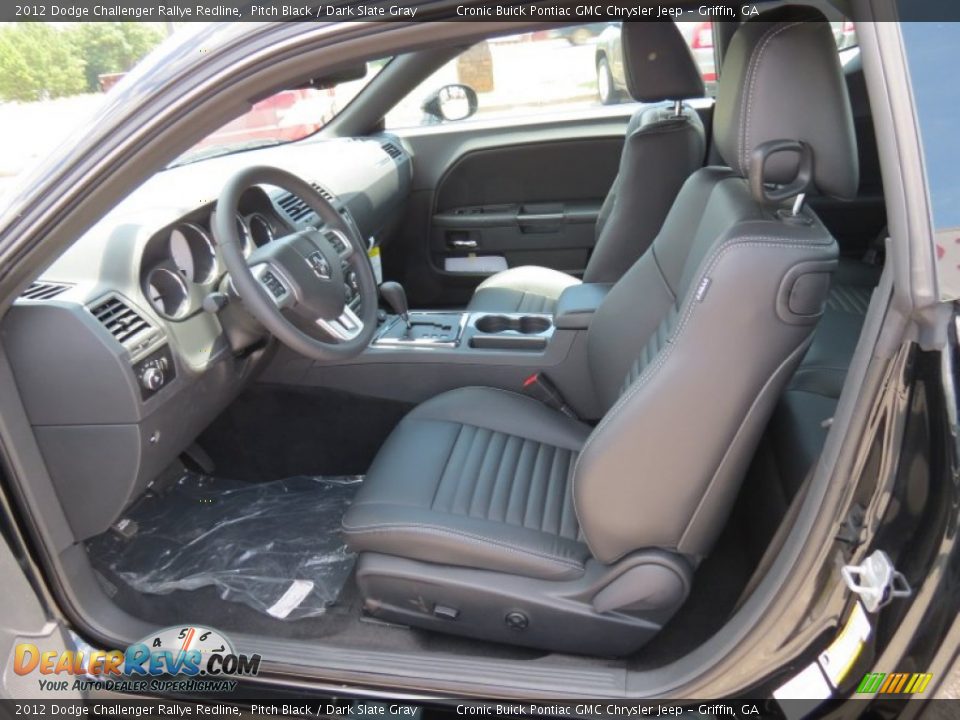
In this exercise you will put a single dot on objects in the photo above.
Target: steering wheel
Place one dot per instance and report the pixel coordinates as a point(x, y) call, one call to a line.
point(294, 285)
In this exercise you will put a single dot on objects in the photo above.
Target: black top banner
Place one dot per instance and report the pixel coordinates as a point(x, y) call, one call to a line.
point(398, 10)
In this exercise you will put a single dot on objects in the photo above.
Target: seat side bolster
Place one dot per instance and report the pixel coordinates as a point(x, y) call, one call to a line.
point(638, 484)
point(439, 537)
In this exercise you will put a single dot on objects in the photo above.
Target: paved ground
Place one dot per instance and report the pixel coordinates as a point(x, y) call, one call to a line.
point(951, 688)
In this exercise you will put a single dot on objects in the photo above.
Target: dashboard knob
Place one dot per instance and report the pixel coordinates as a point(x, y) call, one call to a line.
point(152, 378)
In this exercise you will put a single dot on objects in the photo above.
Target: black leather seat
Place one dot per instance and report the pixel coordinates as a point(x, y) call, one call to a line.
point(480, 475)
point(489, 515)
point(663, 145)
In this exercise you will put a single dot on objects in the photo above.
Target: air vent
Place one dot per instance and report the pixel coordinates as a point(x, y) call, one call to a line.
point(392, 150)
point(296, 209)
point(43, 290)
point(123, 322)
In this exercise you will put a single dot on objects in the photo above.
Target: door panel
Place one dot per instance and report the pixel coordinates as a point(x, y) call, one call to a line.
point(525, 195)
point(535, 203)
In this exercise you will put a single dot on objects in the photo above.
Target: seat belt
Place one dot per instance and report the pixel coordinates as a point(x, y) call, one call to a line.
point(540, 387)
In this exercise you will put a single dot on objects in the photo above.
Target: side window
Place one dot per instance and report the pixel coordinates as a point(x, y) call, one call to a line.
point(699, 36)
point(845, 33)
point(571, 68)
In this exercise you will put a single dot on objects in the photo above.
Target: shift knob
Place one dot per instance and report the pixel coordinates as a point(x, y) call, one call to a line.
point(396, 298)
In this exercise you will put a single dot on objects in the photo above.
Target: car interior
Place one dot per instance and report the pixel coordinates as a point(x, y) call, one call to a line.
point(579, 458)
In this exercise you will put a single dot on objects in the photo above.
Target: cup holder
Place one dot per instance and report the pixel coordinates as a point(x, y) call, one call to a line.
point(524, 324)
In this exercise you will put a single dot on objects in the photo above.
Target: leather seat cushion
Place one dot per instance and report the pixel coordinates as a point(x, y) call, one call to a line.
point(527, 288)
point(476, 477)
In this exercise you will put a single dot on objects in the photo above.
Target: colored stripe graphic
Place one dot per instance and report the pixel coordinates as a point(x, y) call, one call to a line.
point(894, 683)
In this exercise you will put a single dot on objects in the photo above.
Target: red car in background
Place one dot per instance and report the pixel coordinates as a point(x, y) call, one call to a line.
point(286, 116)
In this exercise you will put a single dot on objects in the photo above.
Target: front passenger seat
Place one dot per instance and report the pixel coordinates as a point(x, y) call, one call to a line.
point(491, 515)
point(663, 145)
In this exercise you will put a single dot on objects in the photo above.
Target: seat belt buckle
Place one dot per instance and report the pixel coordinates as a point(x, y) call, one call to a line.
point(540, 387)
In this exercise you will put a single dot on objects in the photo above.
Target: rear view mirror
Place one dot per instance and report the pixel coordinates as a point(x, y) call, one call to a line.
point(450, 103)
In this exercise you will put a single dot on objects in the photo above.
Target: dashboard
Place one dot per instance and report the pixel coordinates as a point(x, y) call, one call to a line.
point(121, 358)
point(180, 266)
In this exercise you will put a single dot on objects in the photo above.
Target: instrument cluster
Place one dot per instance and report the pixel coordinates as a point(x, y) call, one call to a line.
point(181, 265)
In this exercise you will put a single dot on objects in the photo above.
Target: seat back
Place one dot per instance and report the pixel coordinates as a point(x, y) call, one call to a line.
point(692, 347)
point(664, 144)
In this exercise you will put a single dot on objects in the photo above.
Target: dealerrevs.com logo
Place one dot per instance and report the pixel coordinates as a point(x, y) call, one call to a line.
point(176, 659)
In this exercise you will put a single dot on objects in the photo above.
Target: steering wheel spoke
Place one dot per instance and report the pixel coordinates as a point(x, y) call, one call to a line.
point(345, 327)
point(341, 243)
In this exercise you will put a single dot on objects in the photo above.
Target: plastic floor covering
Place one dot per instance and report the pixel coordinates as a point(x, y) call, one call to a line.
point(273, 546)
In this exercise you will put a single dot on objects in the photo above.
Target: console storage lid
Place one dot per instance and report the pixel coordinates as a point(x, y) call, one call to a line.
point(577, 305)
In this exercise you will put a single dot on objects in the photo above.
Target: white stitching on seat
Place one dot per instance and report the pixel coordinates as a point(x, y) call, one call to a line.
point(661, 358)
point(526, 398)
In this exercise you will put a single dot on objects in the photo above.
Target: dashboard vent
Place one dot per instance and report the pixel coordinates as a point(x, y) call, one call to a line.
point(296, 209)
point(324, 193)
point(123, 322)
point(392, 150)
point(43, 290)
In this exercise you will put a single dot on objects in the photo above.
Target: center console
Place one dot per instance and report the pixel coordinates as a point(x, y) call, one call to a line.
point(490, 331)
point(418, 354)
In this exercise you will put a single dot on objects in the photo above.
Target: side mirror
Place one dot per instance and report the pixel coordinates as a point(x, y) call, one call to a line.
point(450, 103)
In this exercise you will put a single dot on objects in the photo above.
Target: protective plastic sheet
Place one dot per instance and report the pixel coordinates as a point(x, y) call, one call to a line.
point(273, 546)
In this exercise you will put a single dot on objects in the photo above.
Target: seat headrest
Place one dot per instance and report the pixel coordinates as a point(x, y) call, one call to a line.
point(781, 80)
point(657, 63)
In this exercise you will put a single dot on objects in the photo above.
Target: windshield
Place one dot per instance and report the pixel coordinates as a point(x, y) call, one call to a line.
point(283, 117)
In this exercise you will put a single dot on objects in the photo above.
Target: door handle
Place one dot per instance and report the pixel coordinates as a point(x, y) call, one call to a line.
point(462, 244)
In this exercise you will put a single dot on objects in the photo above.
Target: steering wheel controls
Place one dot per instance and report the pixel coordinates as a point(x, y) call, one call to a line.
point(273, 284)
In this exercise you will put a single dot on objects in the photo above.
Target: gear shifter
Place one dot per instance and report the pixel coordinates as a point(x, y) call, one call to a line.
point(396, 298)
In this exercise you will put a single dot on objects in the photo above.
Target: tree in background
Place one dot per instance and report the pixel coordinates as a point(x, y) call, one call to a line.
point(40, 61)
point(36, 63)
point(112, 47)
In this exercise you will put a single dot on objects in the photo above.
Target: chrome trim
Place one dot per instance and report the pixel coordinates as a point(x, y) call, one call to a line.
point(344, 328)
point(422, 342)
point(261, 218)
point(183, 308)
point(245, 236)
point(208, 241)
